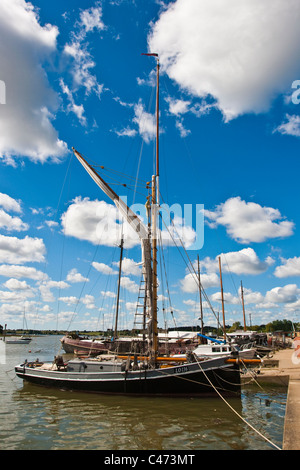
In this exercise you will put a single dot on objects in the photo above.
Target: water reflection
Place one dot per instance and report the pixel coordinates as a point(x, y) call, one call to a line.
point(71, 420)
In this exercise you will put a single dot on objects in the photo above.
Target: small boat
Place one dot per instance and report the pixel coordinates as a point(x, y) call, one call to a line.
point(18, 340)
point(150, 373)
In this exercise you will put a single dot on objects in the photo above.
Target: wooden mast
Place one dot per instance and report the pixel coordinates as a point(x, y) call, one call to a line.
point(154, 207)
point(119, 285)
point(222, 296)
point(244, 316)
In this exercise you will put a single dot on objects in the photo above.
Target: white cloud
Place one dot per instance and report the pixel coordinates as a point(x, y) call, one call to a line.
point(21, 271)
point(25, 119)
point(46, 286)
point(228, 298)
point(129, 266)
point(11, 223)
point(91, 18)
point(108, 294)
point(248, 222)
point(146, 122)
point(243, 52)
point(15, 284)
point(97, 222)
point(15, 296)
point(78, 51)
point(89, 301)
point(285, 294)
point(177, 106)
point(14, 250)
point(78, 110)
point(71, 300)
point(129, 285)
point(190, 282)
point(290, 127)
point(9, 204)
point(251, 297)
point(244, 261)
point(103, 268)
point(127, 132)
point(74, 276)
point(177, 231)
point(290, 267)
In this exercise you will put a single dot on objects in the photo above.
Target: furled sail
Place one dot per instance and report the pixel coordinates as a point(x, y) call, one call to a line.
point(133, 220)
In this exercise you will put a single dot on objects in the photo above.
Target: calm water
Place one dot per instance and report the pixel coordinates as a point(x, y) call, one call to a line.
point(36, 418)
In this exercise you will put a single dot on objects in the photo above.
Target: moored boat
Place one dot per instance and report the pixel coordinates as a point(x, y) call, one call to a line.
point(118, 376)
point(18, 340)
point(149, 374)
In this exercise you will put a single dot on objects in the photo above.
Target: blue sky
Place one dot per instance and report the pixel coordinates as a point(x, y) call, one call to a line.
point(72, 75)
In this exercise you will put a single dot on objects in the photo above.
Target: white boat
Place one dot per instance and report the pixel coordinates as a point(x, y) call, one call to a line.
point(18, 340)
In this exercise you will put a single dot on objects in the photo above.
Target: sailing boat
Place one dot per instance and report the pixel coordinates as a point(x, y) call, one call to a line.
point(23, 339)
point(147, 374)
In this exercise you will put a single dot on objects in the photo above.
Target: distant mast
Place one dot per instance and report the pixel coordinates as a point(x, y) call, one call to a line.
point(244, 316)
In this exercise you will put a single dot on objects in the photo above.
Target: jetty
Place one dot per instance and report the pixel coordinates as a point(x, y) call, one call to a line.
point(283, 368)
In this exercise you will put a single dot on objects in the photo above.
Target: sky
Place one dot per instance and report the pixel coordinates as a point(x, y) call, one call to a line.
point(72, 74)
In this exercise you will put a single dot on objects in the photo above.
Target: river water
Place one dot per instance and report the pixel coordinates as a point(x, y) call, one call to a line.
point(37, 418)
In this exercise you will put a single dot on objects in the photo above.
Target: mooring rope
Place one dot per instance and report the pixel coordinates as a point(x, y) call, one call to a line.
point(243, 419)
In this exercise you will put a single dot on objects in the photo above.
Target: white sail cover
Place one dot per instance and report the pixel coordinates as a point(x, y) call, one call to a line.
point(133, 220)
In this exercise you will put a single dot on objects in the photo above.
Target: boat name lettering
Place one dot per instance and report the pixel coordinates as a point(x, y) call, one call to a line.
point(178, 370)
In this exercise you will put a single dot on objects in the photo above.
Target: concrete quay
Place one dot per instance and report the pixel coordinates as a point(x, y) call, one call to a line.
point(284, 369)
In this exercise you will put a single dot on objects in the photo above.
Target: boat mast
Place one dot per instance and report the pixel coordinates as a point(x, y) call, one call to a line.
point(222, 296)
point(119, 285)
point(244, 316)
point(154, 210)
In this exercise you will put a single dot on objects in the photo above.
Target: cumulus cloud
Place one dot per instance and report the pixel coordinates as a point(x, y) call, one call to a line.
point(146, 122)
point(129, 266)
point(15, 284)
point(285, 294)
point(21, 271)
point(8, 222)
point(11, 223)
point(103, 268)
point(244, 261)
point(97, 222)
point(248, 222)
point(74, 276)
point(26, 118)
point(46, 286)
point(290, 267)
point(9, 203)
point(14, 250)
point(243, 53)
point(190, 282)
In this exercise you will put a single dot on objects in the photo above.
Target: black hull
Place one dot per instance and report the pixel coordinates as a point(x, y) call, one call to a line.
point(226, 380)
